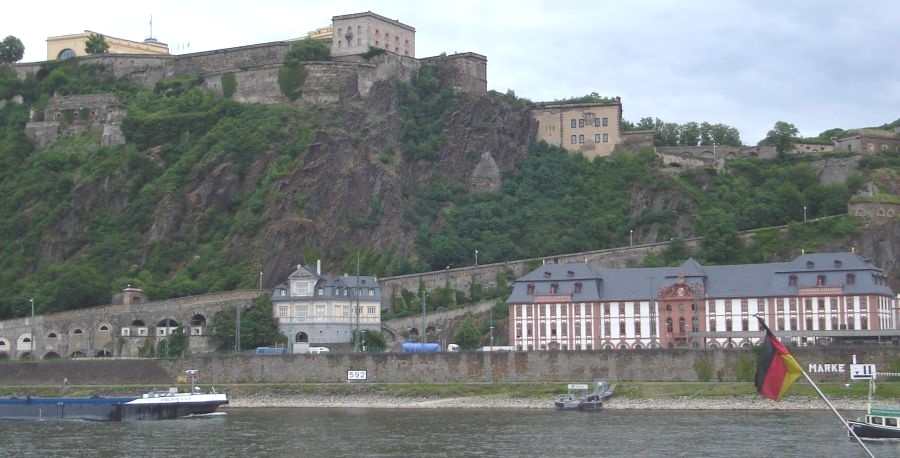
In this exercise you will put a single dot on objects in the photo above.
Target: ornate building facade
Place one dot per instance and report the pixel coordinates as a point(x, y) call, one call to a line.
point(810, 300)
point(316, 309)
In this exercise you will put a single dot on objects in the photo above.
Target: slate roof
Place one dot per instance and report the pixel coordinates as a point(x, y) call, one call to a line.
point(332, 286)
point(743, 280)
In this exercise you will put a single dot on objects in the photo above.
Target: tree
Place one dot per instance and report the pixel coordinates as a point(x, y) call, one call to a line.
point(307, 51)
point(258, 326)
point(782, 137)
point(467, 336)
point(96, 44)
point(11, 50)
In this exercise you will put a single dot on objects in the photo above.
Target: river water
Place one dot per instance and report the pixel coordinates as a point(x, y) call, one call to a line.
point(317, 432)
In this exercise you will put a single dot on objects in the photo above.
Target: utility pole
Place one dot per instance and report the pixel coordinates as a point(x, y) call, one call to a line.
point(357, 301)
point(237, 329)
point(33, 347)
point(167, 328)
point(422, 334)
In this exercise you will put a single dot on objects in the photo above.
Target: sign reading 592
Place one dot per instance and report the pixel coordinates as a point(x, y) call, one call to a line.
point(356, 375)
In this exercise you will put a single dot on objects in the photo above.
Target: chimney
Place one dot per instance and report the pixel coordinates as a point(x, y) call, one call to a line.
point(318, 267)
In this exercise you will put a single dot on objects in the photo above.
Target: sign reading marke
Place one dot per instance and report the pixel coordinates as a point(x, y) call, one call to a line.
point(822, 368)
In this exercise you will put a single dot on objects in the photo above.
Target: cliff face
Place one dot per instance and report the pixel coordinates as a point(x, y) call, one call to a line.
point(351, 188)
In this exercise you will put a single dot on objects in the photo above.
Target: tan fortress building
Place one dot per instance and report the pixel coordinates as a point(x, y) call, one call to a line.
point(354, 33)
point(67, 46)
point(592, 129)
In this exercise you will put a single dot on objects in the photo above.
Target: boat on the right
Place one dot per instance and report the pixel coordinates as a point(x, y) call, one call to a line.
point(878, 424)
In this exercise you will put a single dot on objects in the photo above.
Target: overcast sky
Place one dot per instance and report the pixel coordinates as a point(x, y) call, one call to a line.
point(747, 64)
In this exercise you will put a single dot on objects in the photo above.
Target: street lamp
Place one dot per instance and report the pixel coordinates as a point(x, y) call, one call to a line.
point(476, 258)
point(492, 340)
point(260, 281)
point(631, 237)
point(804, 213)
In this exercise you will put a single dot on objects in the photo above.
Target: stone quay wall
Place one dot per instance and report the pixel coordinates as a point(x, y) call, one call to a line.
point(822, 364)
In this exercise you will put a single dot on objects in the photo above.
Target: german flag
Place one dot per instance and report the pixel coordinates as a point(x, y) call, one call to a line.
point(776, 369)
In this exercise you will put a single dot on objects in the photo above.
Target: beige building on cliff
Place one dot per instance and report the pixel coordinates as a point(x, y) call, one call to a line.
point(593, 129)
point(67, 46)
point(354, 33)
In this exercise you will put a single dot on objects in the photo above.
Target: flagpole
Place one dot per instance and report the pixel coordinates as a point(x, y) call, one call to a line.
point(771, 340)
point(846, 425)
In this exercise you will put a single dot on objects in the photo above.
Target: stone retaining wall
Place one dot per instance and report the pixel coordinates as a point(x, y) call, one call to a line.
point(618, 365)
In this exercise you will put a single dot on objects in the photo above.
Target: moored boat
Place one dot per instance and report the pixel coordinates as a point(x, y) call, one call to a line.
point(580, 396)
point(155, 405)
point(878, 424)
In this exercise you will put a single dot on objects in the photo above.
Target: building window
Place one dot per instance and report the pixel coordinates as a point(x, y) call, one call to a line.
point(681, 327)
point(607, 328)
point(574, 123)
point(637, 327)
point(820, 280)
point(371, 310)
point(282, 311)
point(581, 138)
point(301, 311)
point(596, 122)
point(727, 324)
point(792, 280)
point(850, 322)
point(621, 327)
point(554, 288)
point(605, 121)
point(851, 279)
point(605, 138)
point(577, 287)
point(669, 325)
point(574, 139)
point(529, 289)
point(581, 122)
point(712, 325)
point(596, 138)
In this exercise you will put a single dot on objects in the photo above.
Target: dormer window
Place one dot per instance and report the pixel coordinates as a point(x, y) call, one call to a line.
point(577, 287)
point(569, 273)
point(529, 289)
point(554, 288)
point(851, 279)
point(820, 280)
point(837, 263)
point(547, 274)
point(792, 280)
point(810, 264)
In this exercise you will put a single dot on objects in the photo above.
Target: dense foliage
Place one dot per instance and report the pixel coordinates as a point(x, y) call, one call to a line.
point(259, 328)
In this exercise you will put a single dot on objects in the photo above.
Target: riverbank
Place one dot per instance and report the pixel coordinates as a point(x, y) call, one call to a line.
point(374, 401)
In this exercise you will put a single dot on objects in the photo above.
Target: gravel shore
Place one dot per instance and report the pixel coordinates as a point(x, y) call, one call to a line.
point(680, 403)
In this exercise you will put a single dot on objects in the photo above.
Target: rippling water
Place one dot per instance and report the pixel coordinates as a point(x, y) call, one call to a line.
point(447, 432)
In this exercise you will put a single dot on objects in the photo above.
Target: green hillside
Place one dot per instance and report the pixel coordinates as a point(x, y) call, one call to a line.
point(208, 192)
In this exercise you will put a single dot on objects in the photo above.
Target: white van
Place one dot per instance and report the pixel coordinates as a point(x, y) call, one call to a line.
point(317, 350)
point(452, 347)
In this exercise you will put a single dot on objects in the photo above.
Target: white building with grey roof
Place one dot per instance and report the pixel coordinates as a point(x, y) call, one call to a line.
point(813, 299)
point(316, 309)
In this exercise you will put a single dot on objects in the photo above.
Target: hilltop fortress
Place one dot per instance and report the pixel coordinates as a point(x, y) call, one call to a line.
point(250, 74)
